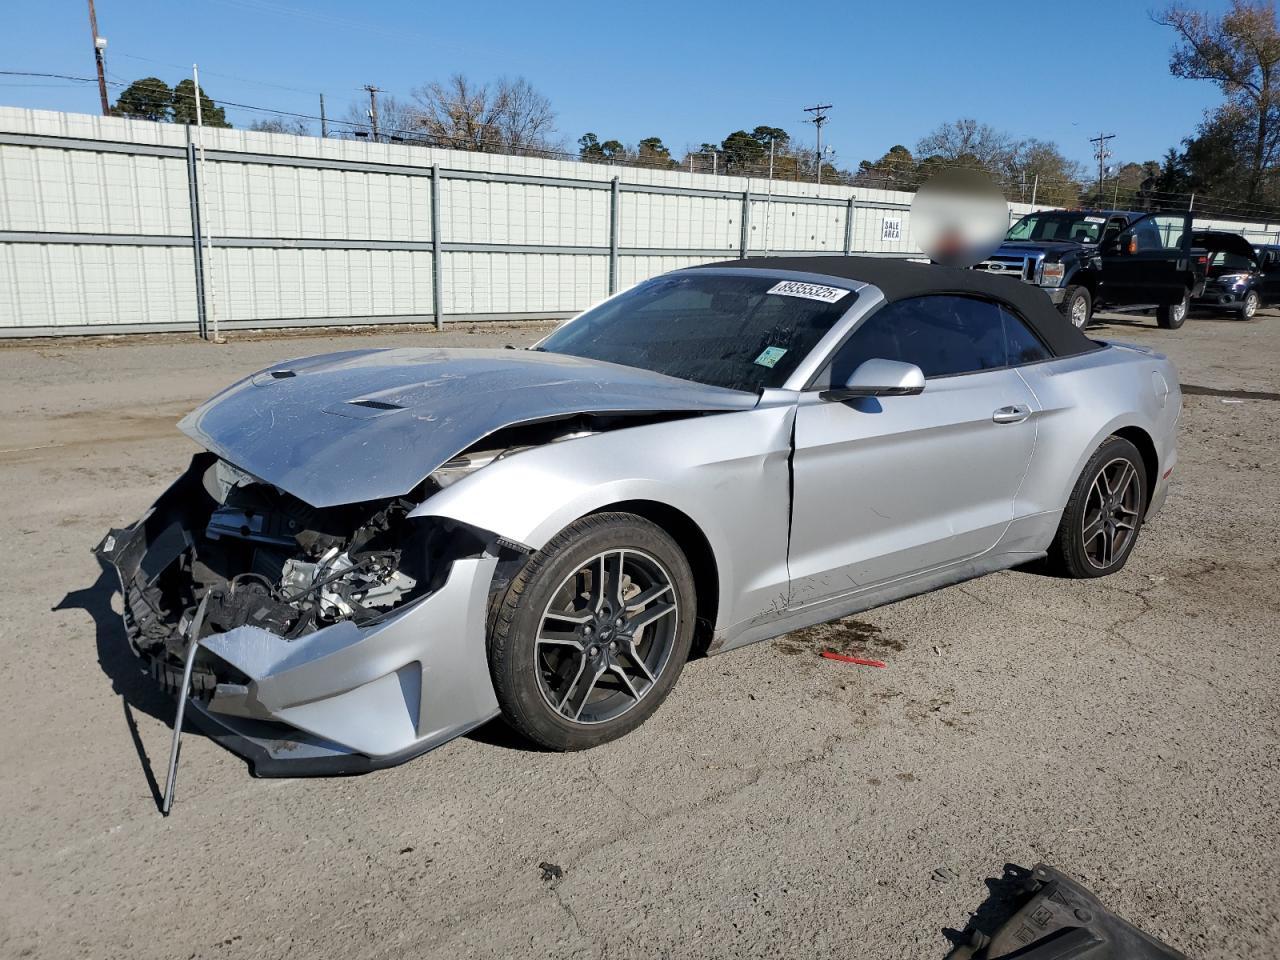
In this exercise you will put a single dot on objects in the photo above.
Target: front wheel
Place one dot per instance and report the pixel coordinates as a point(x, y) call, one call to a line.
point(1101, 521)
point(593, 633)
point(1077, 306)
point(1171, 316)
point(1249, 305)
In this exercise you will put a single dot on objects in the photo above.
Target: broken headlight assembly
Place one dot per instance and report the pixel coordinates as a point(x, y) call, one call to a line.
point(256, 556)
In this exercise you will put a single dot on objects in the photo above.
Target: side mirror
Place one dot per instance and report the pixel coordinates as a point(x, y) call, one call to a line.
point(879, 378)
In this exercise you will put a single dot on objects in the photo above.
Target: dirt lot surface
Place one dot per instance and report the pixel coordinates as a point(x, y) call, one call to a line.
point(779, 805)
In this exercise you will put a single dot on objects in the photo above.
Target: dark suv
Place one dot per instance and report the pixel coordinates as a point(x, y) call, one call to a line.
point(1084, 259)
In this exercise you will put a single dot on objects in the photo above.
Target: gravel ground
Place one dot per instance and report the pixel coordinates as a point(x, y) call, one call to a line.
point(778, 805)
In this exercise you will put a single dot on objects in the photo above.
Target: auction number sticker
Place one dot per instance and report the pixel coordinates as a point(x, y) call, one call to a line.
point(770, 356)
point(809, 291)
point(1095, 219)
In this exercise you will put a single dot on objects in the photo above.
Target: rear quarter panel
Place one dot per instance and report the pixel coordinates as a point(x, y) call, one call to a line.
point(1084, 400)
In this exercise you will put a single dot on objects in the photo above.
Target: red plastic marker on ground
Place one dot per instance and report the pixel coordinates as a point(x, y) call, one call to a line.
point(845, 658)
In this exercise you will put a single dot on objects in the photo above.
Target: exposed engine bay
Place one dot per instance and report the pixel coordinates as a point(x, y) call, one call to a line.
point(253, 555)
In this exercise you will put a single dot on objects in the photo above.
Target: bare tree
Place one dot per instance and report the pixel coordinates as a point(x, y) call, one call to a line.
point(293, 125)
point(969, 142)
point(398, 121)
point(508, 116)
point(1240, 52)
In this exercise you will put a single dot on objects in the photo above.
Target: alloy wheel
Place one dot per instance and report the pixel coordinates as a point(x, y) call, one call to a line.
point(1080, 312)
point(1250, 306)
point(1110, 519)
point(606, 636)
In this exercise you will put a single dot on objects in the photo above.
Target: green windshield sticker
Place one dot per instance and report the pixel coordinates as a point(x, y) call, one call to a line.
point(770, 356)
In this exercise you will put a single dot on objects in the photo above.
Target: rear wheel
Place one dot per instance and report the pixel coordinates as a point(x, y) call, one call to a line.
point(1171, 316)
point(1077, 306)
point(593, 633)
point(1249, 305)
point(1101, 522)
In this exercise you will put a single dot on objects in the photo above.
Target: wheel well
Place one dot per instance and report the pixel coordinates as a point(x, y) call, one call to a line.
point(697, 550)
point(1146, 446)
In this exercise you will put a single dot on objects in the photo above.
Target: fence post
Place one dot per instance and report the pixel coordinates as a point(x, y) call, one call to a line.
point(197, 250)
point(437, 265)
point(849, 216)
point(614, 195)
point(746, 224)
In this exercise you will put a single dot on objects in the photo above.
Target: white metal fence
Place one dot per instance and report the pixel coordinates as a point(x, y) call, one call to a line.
point(110, 225)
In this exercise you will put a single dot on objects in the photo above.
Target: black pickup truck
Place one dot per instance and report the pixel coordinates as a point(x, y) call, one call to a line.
point(1087, 258)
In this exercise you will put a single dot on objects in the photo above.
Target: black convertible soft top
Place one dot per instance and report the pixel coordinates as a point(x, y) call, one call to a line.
point(899, 279)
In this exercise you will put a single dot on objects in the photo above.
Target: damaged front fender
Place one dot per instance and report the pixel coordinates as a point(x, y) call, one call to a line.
point(293, 681)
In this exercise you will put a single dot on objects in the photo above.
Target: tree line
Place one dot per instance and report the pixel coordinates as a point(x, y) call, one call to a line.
point(1230, 163)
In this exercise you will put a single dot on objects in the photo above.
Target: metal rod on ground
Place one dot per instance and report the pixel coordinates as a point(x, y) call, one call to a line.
point(196, 623)
point(205, 229)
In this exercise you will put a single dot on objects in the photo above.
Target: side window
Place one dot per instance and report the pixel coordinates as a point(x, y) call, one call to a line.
point(1161, 231)
point(1148, 235)
point(1021, 345)
point(942, 335)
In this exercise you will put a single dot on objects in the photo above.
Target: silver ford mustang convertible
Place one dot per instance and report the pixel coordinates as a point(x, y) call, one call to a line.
point(382, 549)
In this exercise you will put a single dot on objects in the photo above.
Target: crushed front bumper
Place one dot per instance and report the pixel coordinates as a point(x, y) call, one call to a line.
point(342, 699)
point(349, 699)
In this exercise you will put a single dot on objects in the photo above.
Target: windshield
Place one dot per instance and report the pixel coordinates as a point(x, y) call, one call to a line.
point(739, 332)
point(1058, 225)
point(1222, 263)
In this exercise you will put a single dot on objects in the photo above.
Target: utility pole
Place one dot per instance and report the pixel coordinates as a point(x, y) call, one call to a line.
point(206, 226)
point(373, 109)
point(324, 124)
point(1103, 154)
point(99, 44)
point(819, 118)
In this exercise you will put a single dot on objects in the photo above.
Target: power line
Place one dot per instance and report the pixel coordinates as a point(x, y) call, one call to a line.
point(1206, 203)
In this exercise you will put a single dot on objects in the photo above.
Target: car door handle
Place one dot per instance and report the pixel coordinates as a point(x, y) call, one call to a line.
point(1015, 413)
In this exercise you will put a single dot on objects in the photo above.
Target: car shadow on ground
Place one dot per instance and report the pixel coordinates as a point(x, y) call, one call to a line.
point(497, 733)
point(1005, 895)
point(136, 691)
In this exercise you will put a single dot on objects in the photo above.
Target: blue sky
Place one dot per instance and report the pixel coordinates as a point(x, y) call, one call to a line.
point(684, 71)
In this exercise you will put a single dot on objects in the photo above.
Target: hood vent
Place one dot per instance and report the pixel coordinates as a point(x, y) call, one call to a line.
point(375, 404)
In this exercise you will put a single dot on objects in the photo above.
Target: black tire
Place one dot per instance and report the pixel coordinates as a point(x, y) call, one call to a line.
point(526, 669)
point(1077, 306)
point(1249, 305)
point(1075, 552)
point(1171, 316)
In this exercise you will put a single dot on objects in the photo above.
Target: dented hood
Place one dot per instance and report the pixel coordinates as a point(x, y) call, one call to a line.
point(370, 424)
